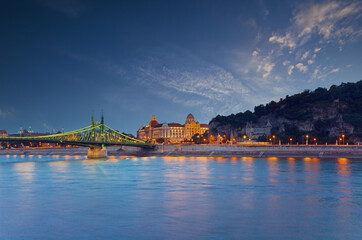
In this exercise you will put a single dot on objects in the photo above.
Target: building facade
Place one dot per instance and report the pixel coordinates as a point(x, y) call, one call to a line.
point(171, 132)
point(255, 132)
point(3, 133)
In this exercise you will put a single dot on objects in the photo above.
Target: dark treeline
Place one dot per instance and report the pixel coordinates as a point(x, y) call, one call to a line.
point(299, 108)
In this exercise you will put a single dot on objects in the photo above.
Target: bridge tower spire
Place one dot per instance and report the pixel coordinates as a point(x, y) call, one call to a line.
point(102, 128)
point(93, 130)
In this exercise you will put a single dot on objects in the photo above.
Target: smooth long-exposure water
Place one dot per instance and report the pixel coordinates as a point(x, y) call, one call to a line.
point(70, 197)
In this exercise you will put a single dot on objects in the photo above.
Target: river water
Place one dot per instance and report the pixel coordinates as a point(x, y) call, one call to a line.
point(70, 197)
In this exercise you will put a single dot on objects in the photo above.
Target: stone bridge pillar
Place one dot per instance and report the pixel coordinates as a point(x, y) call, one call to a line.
point(94, 153)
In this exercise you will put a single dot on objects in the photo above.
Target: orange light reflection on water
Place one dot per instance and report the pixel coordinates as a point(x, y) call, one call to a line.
point(25, 170)
point(220, 159)
point(343, 167)
point(273, 169)
point(247, 159)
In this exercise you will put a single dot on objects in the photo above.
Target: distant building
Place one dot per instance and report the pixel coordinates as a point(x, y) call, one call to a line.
point(3, 133)
point(256, 132)
point(171, 132)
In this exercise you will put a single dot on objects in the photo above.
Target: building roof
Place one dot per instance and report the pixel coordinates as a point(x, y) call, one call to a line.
point(153, 122)
point(3, 131)
point(190, 118)
point(204, 125)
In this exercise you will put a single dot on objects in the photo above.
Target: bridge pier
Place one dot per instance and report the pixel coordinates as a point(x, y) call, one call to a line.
point(97, 153)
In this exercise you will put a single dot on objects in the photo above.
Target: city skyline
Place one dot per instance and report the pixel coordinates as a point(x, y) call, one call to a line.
point(64, 60)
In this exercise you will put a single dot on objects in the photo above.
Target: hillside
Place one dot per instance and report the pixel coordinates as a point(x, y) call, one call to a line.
point(322, 114)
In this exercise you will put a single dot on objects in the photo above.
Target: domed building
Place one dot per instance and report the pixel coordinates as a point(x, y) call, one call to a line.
point(153, 122)
point(171, 132)
point(190, 118)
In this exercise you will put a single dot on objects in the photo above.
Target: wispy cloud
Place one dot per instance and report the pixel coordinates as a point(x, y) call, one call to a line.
point(331, 20)
point(290, 70)
point(301, 67)
point(284, 41)
point(305, 55)
point(335, 70)
point(326, 18)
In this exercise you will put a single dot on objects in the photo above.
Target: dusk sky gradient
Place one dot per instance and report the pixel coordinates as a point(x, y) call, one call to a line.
point(62, 60)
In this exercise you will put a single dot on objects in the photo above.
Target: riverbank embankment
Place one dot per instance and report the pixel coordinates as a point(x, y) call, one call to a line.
point(319, 151)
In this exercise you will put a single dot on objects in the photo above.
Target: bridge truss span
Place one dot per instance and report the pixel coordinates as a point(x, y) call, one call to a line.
point(94, 136)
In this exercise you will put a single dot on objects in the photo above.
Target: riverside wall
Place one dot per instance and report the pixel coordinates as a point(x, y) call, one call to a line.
point(320, 151)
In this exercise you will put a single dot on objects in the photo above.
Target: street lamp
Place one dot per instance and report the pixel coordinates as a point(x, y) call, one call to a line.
point(343, 138)
point(306, 143)
point(273, 139)
point(315, 140)
point(291, 140)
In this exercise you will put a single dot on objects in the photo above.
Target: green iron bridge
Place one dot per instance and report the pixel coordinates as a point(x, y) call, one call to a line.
point(95, 136)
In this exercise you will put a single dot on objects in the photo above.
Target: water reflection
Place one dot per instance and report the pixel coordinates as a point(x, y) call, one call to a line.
point(247, 167)
point(180, 197)
point(273, 169)
point(343, 167)
point(312, 169)
point(59, 166)
point(291, 170)
point(25, 170)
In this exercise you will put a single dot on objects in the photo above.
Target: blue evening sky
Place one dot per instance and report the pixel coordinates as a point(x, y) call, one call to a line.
point(61, 60)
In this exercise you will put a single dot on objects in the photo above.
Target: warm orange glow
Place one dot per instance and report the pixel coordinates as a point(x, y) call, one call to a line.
point(220, 158)
point(248, 178)
point(307, 159)
point(342, 160)
point(272, 158)
point(234, 158)
point(201, 158)
point(291, 159)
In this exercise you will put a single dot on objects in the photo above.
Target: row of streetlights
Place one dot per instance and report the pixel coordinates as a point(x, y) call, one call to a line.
point(341, 139)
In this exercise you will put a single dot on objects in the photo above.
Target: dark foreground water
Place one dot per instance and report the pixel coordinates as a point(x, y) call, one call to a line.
point(69, 197)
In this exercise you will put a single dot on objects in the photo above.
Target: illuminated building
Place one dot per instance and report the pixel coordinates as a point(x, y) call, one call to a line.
point(171, 132)
point(3, 133)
